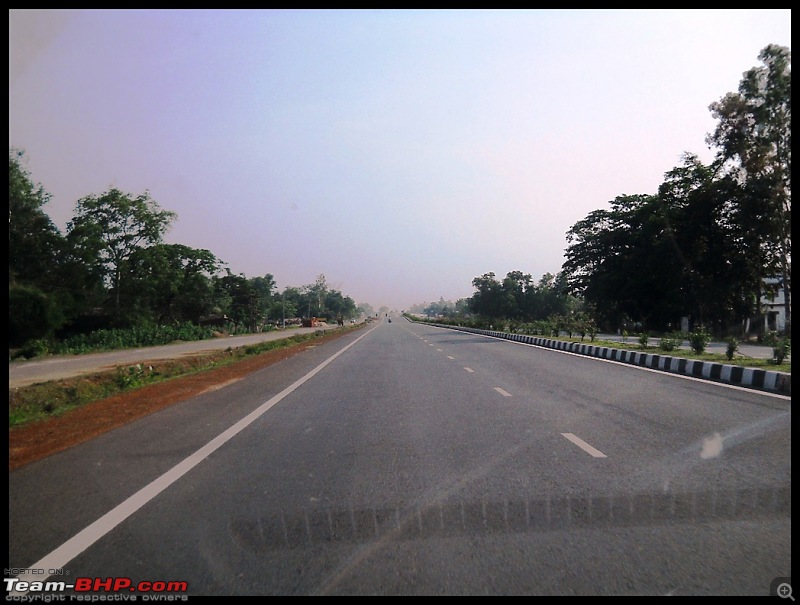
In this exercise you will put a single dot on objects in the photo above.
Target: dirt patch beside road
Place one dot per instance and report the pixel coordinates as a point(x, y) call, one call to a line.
point(32, 442)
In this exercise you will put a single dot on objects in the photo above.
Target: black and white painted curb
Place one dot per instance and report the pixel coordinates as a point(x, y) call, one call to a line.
point(776, 382)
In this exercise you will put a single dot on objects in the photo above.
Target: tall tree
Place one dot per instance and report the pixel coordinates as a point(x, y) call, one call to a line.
point(264, 287)
point(264, 291)
point(295, 300)
point(110, 228)
point(709, 260)
point(169, 283)
point(315, 296)
point(37, 303)
point(338, 306)
point(488, 300)
point(514, 285)
point(236, 298)
point(33, 239)
point(754, 137)
point(618, 260)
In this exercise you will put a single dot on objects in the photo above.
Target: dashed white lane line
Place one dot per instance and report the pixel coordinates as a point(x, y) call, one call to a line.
point(503, 392)
point(584, 446)
point(468, 369)
point(450, 357)
point(439, 350)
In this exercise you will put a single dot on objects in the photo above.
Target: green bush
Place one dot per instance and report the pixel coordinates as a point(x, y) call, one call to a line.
point(644, 338)
point(139, 336)
point(781, 346)
point(699, 340)
point(585, 325)
point(35, 348)
point(130, 377)
point(671, 341)
point(733, 346)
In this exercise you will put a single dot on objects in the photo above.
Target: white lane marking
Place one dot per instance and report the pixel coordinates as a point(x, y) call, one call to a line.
point(439, 350)
point(468, 369)
point(61, 556)
point(503, 392)
point(631, 366)
point(430, 344)
point(450, 357)
point(584, 446)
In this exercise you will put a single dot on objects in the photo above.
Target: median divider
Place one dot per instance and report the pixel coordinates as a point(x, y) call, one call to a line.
point(766, 380)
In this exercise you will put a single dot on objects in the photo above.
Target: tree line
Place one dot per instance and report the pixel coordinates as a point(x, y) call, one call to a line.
point(112, 270)
point(708, 246)
point(714, 238)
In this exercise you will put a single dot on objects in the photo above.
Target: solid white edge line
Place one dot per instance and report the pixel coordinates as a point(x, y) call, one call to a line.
point(61, 556)
point(735, 387)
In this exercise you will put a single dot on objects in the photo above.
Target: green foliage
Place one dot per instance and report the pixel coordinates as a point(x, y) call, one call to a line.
point(168, 283)
point(702, 246)
point(52, 398)
point(33, 240)
point(32, 314)
point(140, 336)
point(108, 229)
point(671, 341)
point(517, 298)
point(540, 327)
point(131, 377)
point(584, 325)
point(781, 346)
point(699, 340)
point(753, 136)
point(732, 345)
point(35, 348)
point(644, 339)
point(112, 270)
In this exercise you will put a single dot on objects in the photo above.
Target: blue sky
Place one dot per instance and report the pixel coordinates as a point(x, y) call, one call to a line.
point(400, 153)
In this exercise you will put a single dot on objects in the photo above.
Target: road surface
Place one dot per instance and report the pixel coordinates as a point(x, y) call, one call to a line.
point(405, 459)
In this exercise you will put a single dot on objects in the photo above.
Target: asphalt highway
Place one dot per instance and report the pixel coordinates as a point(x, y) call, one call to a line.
point(405, 459)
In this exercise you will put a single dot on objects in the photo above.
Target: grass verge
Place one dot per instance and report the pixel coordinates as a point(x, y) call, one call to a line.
point(56, 397)
point(738, 358)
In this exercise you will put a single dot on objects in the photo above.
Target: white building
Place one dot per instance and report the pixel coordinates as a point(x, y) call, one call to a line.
point(773, 305)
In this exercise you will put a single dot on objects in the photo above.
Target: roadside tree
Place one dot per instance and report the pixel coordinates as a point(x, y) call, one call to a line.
point(754, 137)
point(107, 229)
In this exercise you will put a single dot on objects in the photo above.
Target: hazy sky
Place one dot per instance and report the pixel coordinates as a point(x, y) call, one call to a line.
point(400, 153)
